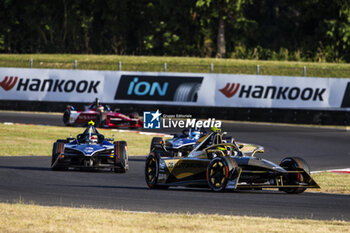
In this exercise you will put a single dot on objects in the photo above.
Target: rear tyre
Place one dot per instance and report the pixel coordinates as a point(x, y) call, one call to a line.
point(219, 171)
point(99, 120)
point(57, 149)
point(66, 116)
point(156, 141)
point(292, 164)
point(121, 158)
point(134, 115)
point(152, 172)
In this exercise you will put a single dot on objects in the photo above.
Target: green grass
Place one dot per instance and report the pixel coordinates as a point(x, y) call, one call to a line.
point(175, 64)
point(34, 218)
point(38, 140)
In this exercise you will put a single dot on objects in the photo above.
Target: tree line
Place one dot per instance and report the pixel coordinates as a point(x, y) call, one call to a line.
point(299, 30)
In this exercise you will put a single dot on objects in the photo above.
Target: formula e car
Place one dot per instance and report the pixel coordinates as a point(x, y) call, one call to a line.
point(180, 145)
point(102, 115)
point(220, 166)
point(90, 150)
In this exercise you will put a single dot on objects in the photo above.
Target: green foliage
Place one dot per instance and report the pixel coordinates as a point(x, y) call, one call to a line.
point(309, 30)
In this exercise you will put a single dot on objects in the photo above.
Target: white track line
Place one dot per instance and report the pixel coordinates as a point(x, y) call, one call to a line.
point(342, 170)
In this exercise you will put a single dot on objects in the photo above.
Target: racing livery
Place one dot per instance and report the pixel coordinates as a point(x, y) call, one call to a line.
point(180, 145)
point(90, 150)
point(219, 165)
point(102, 115)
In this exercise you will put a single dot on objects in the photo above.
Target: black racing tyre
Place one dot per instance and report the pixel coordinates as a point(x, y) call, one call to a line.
point(57, 149)
point(134, 115)
point(156, 141)
point(187, 92)
point(292, 164)
point(99, 120)
point(121, 158)
point(66, 116)
point(219, 171)
point(152, 172)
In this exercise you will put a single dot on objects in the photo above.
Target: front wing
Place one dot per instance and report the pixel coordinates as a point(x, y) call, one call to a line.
point(279, 181)
point(78, 161)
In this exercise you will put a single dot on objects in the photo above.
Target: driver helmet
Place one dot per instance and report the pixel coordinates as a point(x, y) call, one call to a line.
point(93, 139)
point(194, 134)
point(100, 108)
point(226, 149)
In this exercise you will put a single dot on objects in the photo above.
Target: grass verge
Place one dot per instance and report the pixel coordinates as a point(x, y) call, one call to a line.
point(33, 218)
point(332, 182)
point(38, 140)
point(175, 64)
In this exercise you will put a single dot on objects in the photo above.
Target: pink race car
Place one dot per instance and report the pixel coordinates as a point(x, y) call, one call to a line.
point(102, 116)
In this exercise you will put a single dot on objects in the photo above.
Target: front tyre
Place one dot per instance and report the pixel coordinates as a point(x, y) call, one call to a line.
point(121, 158)
point(152, 172)
point(156, 141)
point(218, 173)
point(293, 164)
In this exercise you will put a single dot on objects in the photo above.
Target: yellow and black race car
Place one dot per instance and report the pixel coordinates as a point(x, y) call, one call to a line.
point(219, 166)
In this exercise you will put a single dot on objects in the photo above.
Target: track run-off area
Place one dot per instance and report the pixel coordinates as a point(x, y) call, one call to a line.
point(29, 179)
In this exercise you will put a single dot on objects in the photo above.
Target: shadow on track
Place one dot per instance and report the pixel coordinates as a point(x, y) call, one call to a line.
point(182, 189)
point(26, 168)
point(100, 186)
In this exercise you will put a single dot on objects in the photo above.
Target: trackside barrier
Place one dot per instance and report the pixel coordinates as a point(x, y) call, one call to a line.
point(236, 96)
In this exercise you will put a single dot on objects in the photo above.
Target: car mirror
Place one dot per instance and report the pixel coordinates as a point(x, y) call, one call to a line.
point(258, 150)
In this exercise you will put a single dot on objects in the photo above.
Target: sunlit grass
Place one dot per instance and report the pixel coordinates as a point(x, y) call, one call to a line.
point(38, 140)
point(332, 182)
point(33, 218)
point(175, 64)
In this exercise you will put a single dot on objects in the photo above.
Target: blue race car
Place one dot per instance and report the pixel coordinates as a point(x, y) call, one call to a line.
point(180, 145)
point(90, 150)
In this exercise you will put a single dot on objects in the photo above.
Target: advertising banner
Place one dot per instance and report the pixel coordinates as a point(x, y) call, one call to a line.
point(179, 89)
point(253, 91)
point(51, 85)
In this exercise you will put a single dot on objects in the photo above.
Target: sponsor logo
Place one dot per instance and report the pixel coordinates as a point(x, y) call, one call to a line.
point(273, 92)
point(346, 99)
point(49, 85)
point(230, 89)
point(191, 123)
point(158, 88)
point(8, 83)
point(151, 120)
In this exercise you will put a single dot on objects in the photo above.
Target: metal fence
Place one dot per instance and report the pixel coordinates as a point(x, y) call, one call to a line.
point(257, 69)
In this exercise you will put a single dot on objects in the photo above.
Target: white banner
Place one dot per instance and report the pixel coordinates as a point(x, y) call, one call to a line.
point(255, 91)
point(185, 89)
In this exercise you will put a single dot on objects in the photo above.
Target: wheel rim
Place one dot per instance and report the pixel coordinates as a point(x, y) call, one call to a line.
point(151, 172)
point(217, 174)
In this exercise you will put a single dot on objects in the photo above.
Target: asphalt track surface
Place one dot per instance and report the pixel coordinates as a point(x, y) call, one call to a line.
point(30, 179)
